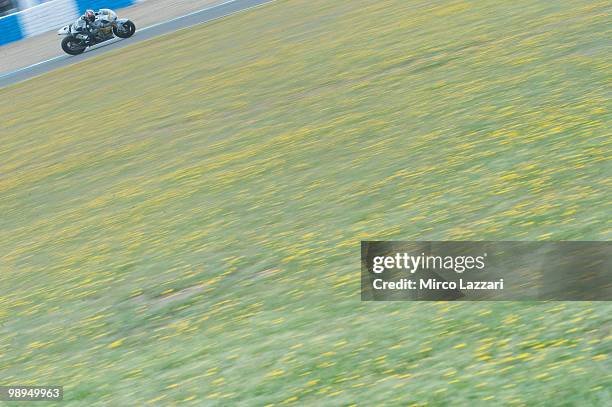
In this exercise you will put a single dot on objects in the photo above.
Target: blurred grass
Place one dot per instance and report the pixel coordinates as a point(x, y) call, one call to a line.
point(181, 219)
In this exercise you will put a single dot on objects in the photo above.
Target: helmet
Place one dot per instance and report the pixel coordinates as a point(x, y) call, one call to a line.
point(89, 16)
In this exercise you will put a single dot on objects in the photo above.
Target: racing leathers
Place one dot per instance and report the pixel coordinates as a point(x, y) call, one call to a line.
point(84, 27)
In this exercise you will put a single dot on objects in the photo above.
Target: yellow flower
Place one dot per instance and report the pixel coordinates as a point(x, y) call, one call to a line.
point(116, 344)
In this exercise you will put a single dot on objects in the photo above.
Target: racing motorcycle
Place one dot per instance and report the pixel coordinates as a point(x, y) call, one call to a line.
point(106, 27)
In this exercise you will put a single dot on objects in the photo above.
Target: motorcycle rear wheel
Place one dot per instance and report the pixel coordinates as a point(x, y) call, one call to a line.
point(71, 46)
point(128, 30)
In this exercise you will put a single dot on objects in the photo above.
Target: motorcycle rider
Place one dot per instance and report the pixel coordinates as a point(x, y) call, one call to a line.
point(86, 25)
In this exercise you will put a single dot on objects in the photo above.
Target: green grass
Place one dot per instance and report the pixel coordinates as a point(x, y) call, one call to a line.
point(180, 220)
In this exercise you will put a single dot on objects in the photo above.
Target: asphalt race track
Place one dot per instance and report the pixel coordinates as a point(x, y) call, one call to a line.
point(143, 34)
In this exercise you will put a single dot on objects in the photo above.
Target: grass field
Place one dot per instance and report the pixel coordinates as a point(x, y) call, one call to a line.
point(180, 220)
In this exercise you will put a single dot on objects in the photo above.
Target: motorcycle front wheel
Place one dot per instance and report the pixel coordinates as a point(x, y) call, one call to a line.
point(72, 46)
point(128, 30)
